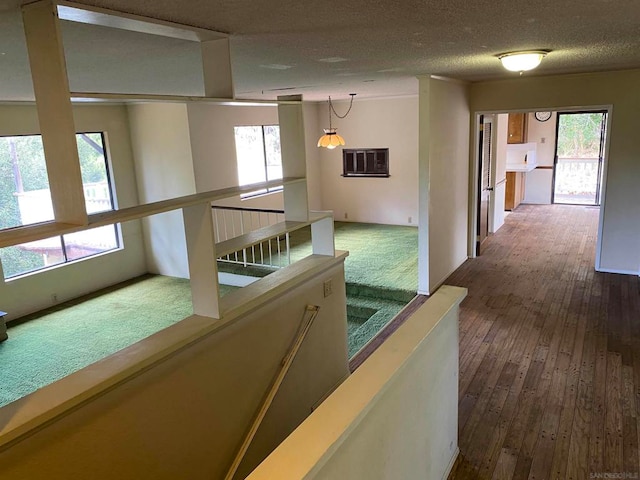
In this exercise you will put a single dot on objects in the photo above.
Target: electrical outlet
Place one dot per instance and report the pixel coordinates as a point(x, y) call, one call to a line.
point(328, 288)
point(54, 298)
point(410, 219)
point(543, 140)
point(346, 215)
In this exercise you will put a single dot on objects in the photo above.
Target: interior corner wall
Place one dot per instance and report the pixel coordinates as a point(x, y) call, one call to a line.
point(164, 170)
point(32, 292)
point(185, 416)
point(620, 238)
point(447, 162)
point(373, 123)
point(539, 181)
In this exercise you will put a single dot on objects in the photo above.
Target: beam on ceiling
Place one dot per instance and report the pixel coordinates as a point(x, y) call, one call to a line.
point(216, 67)
point(81, 13)
point(146, 98)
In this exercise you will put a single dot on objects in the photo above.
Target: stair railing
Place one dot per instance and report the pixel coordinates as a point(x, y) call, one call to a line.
point(231, 222)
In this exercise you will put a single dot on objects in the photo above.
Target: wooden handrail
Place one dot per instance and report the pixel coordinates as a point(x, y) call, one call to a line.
point(310, 313)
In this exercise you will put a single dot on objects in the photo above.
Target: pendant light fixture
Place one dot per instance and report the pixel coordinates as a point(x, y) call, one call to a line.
point(331, 139)
point(522, 61)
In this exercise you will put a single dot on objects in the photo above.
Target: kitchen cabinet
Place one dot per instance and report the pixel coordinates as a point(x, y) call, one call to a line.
point(517, 128)
point(514, 190)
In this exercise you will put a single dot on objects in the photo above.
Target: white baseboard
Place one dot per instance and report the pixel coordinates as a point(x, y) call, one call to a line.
point(620, 272)
point(452, 462)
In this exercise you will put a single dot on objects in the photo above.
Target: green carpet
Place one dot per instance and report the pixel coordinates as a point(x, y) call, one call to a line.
point(60, 341)
point(382, 262)
point(366, 316)
point(381, 275)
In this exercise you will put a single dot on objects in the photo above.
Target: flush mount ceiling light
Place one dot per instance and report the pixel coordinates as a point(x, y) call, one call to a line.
point(331, 139)
point(522, 61)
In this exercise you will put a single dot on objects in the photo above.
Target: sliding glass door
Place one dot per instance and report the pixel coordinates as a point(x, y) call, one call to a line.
point(579, 155)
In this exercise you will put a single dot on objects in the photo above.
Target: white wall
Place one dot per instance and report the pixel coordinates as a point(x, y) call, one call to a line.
point(539, 181)
point(396, 417)
point(382, 123)
point(185, 415)
point(182, 149)
point(160, 138)
point(214, 148)
point(501, 131)
point(33, 292)
point(444, 180)
point(618, 246)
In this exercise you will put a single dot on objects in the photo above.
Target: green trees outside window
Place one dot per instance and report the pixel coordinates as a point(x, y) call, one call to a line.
point(25, 199)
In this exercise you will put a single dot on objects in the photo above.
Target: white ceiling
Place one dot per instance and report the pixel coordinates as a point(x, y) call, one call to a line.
point(370, 47)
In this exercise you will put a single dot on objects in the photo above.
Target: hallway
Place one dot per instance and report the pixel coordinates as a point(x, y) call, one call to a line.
point(549, 354)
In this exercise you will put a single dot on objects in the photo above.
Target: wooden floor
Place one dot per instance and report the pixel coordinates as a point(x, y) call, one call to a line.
point(549, 354)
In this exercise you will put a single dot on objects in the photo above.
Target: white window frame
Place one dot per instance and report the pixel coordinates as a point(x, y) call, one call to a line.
point(260, 192)
point(63, 247)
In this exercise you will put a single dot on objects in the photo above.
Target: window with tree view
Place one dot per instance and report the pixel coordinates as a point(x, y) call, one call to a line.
point(25, 199)
point(258, 154)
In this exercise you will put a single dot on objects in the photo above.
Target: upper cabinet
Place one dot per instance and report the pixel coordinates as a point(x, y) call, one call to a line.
point(517, 128)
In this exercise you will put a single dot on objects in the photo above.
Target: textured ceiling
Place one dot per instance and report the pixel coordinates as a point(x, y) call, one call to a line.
point(371, 47)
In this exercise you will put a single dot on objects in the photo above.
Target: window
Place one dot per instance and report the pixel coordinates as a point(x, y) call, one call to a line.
point(372, 162)
point(258, 154)
point(25, 199)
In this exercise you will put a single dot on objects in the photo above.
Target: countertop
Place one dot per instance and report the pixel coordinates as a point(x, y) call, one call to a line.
point(521, 167)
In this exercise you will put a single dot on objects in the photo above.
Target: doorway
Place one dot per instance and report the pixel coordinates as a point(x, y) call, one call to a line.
point(577, 170)
point(543, 186)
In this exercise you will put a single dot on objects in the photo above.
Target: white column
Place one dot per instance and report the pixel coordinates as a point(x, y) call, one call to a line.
point(201, 250)
point(423, 184)
point(55, 114)
point(294, 163)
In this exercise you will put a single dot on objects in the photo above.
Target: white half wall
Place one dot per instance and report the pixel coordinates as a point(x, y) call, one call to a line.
point(499, 196)
point(381, 123)
point(184, 416)
point(33, 292)
point(538, 186)
point(620, 218)
point(164, 169)
point(395, 417)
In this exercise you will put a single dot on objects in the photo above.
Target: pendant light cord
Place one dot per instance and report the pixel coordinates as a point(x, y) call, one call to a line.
point(334, 110)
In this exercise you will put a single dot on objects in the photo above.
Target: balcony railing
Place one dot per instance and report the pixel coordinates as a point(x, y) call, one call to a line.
point(577, 181)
